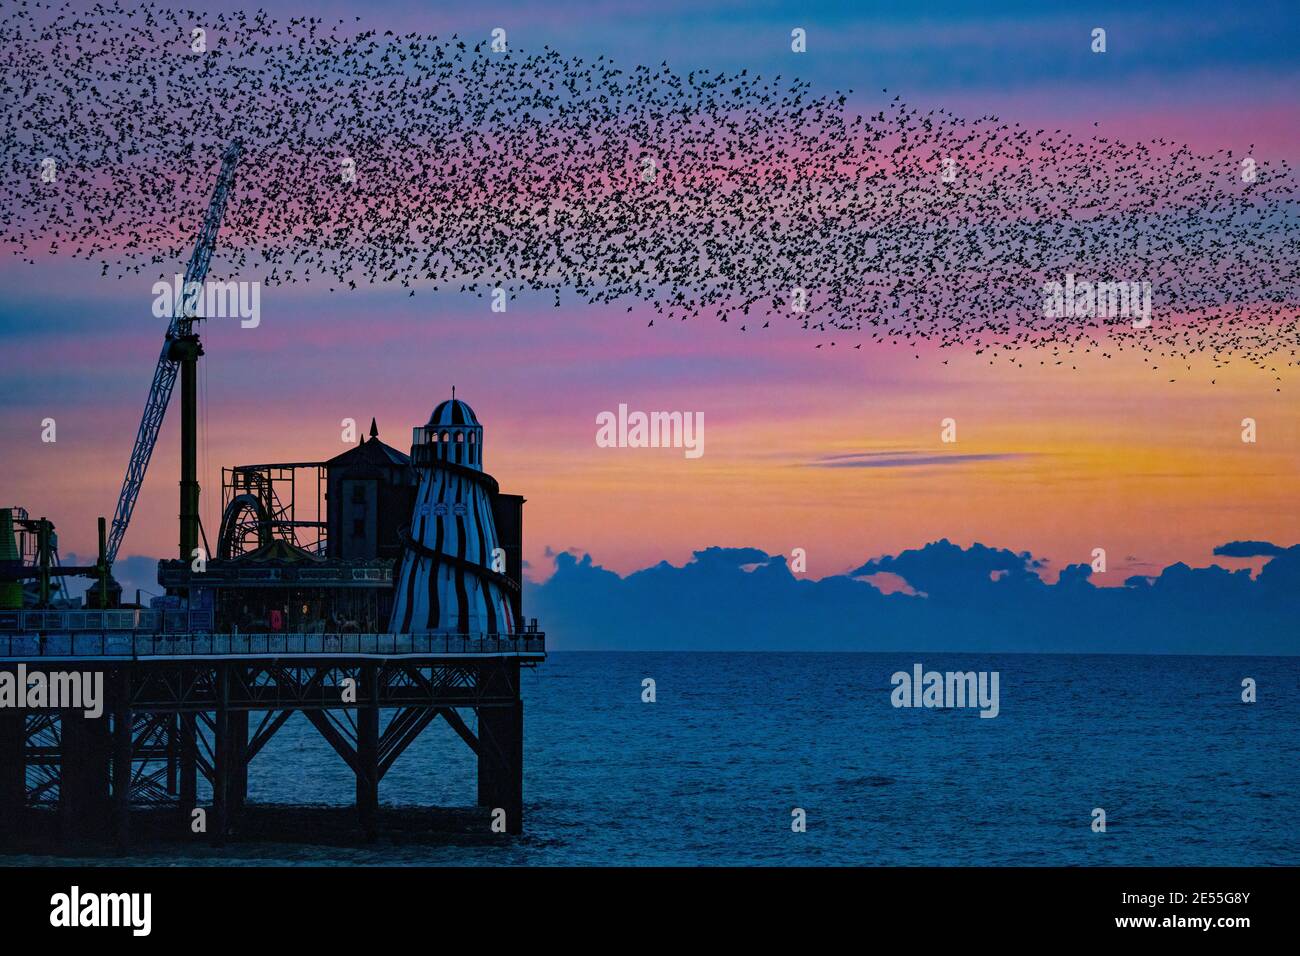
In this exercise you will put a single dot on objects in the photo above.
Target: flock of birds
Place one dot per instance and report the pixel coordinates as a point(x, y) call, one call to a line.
point(445, 164)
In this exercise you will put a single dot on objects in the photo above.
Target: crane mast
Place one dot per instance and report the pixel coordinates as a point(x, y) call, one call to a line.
point(180, 352)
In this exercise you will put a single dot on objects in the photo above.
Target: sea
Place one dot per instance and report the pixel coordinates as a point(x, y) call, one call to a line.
point(737, 749)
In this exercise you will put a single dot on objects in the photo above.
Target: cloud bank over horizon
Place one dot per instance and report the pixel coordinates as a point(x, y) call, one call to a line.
point(940, 597)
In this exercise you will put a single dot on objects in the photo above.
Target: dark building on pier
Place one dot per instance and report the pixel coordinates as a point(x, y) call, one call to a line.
point(279, 571)
point(370, 490)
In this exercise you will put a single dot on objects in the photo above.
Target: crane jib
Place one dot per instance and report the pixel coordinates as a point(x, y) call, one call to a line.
point(164, 376)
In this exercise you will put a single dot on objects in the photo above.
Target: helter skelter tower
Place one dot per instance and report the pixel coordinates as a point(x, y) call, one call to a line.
point(448, 581)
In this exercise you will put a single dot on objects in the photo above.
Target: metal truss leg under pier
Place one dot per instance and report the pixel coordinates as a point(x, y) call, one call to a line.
point(169, 724)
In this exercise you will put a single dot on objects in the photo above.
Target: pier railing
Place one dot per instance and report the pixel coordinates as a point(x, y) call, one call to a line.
point(139, 645)
point(178, 621)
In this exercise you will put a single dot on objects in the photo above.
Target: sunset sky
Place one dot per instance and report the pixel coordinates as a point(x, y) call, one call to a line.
point(1053, 460)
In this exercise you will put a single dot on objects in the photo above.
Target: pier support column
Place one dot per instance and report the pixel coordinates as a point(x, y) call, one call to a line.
point(123, 731)
point(501, 745)
point(368, 750)
point(187, 766)
point(238, 763)
point(173, 750)
point(221, 747)
point(501, 762)
point(84, 777)
point(13, 773)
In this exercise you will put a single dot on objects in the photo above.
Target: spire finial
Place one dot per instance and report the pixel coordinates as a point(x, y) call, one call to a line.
point(453, 393)
point(374, 429)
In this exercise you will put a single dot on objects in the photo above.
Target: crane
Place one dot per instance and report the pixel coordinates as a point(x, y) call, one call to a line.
point(180, 352)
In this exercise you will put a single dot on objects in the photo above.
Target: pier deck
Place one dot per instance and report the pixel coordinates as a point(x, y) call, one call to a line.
point(528, 647)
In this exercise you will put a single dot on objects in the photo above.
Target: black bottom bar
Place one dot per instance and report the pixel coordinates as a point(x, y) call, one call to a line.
point(981, 907)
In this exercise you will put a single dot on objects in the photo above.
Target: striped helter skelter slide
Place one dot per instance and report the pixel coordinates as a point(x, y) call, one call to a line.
point(447, 582)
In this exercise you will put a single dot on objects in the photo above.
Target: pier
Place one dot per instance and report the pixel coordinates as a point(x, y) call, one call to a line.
point(180, 706)
point(373, 592)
